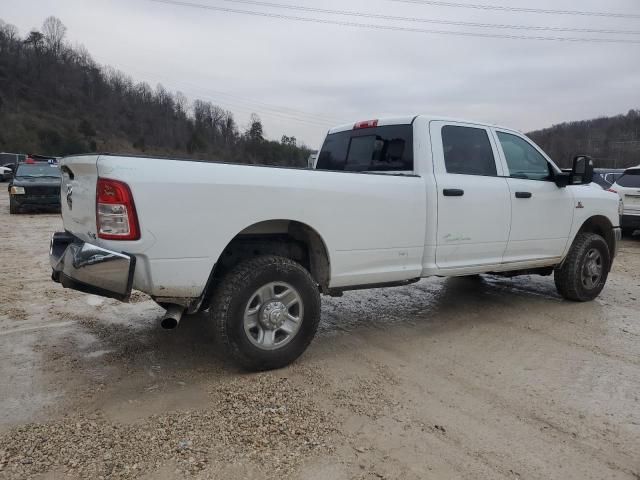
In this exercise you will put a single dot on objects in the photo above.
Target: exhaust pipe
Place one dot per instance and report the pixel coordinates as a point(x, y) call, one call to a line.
point(172, 317)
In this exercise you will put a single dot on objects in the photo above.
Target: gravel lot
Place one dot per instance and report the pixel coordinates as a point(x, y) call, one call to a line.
point(483, 378)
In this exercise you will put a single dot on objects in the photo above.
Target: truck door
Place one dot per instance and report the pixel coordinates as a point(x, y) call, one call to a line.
point(474, 209)
point(542, 212)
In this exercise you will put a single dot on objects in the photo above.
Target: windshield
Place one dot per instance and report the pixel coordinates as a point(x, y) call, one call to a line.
point(38, 170)
point(630, 179)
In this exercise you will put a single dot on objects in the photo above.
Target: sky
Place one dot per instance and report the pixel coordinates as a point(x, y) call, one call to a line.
point(303, 77)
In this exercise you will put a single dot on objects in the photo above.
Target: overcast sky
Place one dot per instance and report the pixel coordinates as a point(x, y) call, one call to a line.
point(303, 77)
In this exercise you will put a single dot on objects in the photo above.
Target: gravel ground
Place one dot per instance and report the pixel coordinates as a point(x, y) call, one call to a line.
point(459, 378)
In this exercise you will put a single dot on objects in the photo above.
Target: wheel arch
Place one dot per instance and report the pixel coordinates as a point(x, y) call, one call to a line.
point(288, 238)
point(600, 225)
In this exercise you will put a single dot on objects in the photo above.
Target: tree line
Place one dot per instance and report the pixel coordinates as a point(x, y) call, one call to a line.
point(55, 99)
point(613, 142)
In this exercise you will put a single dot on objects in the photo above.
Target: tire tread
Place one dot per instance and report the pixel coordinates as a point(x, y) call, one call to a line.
point(566, 277)
point(233, 282)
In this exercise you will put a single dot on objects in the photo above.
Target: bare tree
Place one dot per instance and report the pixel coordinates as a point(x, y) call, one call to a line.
point(54, 31)
point(182, 103)
point(35, 39)
point(83, 57)
point(10, 31)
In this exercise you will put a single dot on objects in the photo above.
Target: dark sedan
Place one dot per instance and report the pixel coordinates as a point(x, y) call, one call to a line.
point(35, 186)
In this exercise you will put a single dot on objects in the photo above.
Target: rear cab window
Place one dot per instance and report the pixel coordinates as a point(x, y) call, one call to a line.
point(630, 179)
point(387, 148)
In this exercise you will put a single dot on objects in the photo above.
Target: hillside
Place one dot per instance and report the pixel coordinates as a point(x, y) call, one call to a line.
point(611, 141)
point(55, 99)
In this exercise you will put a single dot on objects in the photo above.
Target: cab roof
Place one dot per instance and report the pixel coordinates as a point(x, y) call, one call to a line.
point(409, 119)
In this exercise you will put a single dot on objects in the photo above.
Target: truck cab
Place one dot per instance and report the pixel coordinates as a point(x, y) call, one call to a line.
point(494, 200)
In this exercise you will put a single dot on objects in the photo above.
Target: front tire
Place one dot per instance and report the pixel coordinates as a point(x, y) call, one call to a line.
point(13, 207)
point(266, 312)
point(584, 272)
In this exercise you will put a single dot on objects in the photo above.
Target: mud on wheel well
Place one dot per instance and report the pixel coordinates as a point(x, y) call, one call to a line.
point(289, 239)
point(601, 226)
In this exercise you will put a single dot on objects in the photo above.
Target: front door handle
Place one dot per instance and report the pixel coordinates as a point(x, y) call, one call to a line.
point(524, 195)
point(452, 192)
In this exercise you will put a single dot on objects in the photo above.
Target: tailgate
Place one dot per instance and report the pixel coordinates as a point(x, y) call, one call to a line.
point(78, 195)
point(631, 200)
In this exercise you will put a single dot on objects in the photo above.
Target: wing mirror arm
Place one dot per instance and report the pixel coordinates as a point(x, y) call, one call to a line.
point(562, 179)
point(581, 173)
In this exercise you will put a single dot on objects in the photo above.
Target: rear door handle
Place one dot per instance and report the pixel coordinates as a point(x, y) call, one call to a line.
point(452, 192)
point(524, 195)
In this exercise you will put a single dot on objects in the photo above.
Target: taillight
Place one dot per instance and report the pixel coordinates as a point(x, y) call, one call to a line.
point(612, 190)
point(366, 124)
point(116, 217)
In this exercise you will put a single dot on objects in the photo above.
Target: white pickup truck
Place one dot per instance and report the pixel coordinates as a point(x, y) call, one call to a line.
point(388, 202)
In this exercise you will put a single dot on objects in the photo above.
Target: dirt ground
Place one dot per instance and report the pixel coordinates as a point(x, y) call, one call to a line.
point(484, 378)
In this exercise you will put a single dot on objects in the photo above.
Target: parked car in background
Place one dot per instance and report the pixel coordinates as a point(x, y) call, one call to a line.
point(12, 158)
point(389, 201)
point(6, 174)
point(605, 177)
point(628, 187)
point(35, 186)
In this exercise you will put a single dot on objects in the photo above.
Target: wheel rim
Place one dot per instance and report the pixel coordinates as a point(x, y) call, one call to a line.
point(592, 269)
point(273, 315)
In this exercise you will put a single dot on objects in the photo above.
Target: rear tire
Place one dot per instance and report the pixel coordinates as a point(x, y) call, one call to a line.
point(584, 272)
point(266, 312)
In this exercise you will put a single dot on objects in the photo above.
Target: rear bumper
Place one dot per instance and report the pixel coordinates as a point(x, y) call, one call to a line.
point(91, 269)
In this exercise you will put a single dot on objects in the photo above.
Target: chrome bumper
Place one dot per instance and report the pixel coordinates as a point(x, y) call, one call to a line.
point(85, 267)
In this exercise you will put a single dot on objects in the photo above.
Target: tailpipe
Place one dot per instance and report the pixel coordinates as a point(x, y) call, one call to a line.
point(172, 317)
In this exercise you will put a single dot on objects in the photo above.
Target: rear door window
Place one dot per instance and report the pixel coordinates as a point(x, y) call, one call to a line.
point(380, 149)
point(630, 180)
point(468, 151)
point(7, 158)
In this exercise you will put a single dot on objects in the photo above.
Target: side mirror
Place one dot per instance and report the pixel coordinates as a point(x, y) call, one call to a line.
point(582, 171)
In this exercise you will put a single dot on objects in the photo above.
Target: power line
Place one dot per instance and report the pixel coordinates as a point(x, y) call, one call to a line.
point(434, 21)
point(395, 27)
point(275, 108)
point(479, 6)
point(248, 105)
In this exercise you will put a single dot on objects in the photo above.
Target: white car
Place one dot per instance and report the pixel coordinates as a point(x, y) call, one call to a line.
point(628, 187)
point(389, 202)
point(6, 174)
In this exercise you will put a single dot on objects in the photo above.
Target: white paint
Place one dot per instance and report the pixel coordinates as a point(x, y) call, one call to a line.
point(540, 225)
point(630, 197)
point(377, 228)
point(472, 229)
